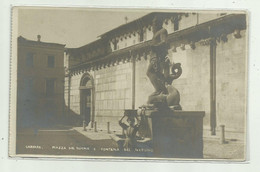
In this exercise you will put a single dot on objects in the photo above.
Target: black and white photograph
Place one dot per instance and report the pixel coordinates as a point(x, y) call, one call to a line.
point(128, 84)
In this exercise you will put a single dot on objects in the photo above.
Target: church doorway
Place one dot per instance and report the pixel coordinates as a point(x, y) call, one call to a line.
point(87, 100)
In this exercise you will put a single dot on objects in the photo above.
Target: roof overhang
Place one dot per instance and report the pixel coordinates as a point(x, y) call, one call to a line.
point(211, 29)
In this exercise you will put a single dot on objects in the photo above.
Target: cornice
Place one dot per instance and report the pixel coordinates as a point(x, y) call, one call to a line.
point(203, 33)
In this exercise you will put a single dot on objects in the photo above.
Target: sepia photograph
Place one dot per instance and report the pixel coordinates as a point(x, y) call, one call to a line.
point(128, 84)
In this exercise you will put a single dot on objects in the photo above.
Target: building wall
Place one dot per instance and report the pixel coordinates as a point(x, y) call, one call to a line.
point(143, 86)
point(231, 82)
point(205, 17)
point(193, 84)
point(127, 40)
point(34, 103)
point(113, 85)
point(186, 22)
point(148, 34)
point(75, 94)
point(113, 94)
point(169, 26)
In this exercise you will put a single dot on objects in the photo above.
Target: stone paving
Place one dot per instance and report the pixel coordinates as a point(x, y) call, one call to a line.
point(234, 148)
point(52, 141)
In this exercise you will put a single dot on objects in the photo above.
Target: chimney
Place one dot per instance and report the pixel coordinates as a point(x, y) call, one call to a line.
point(39, 38)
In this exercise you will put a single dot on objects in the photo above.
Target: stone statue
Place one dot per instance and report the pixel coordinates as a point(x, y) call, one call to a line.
point(131, 129)
point(159, 70)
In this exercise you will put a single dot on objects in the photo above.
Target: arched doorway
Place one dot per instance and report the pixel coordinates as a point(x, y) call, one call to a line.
point(87, 100)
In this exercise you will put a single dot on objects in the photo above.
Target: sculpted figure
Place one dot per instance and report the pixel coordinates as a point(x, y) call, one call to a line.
point(130, 130)
point(159, 69)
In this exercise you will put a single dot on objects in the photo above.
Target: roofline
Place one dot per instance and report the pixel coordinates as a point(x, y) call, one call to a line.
point(23, 40)
point(175, 36)
point(119, 27)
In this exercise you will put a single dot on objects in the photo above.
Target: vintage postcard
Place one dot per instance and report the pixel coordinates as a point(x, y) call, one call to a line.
point(128, 84)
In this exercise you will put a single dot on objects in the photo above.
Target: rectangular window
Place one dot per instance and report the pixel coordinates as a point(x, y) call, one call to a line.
point(29, 60)
point(51, 61)
point(50, 86)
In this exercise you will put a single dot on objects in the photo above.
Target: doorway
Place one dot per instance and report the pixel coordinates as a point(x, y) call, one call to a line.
point(86, 100)
point(86, 106)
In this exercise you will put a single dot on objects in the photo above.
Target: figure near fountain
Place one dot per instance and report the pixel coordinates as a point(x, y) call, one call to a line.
point(131, 129)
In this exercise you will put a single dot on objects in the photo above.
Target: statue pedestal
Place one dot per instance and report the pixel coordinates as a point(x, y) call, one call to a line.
point(176, 134)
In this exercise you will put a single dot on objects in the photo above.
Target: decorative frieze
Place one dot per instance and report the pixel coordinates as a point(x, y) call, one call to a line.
point(138, 57)
point(166, 21)
point(145, 55)
point(189, 36)
point(182, 46)
point(223, 37)
point(149, 27)
point(192, 45)
point(175, 18)
point(115, 40)
point(206, 42)
point(128, 59)
point(237, 34)
point(174, 49)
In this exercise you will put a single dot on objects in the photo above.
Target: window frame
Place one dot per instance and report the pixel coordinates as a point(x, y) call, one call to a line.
point(29, 61)
point(50, 65)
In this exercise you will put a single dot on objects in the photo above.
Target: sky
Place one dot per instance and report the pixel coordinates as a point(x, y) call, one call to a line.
point(74, 27)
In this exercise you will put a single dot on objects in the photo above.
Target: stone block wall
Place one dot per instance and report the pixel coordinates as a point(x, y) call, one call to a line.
point(113, 94)
point(194, 83)
point(231, 82)
point(75, 94)
point(113, 85)
point(143, 87)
